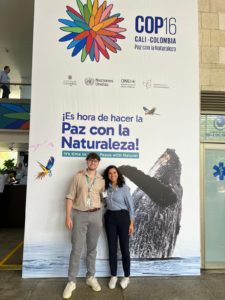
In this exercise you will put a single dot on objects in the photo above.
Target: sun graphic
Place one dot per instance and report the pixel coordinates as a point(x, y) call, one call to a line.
point(93, 31)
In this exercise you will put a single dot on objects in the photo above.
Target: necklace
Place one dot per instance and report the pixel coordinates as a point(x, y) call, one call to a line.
point(90, 185)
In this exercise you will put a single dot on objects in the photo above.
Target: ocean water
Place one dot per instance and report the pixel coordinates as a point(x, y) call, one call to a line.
point(52, 261)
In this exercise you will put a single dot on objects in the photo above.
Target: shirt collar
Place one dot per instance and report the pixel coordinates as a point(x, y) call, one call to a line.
point(112, 188)
point(97, 175)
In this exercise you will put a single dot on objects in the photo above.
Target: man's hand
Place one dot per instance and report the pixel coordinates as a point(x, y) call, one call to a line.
point(69, 223)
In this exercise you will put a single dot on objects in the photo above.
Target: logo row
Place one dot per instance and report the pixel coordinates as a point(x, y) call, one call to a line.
point(123, 83)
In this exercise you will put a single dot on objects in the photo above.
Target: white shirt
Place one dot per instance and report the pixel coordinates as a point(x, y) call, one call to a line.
point(4, 78)
point(2, 182)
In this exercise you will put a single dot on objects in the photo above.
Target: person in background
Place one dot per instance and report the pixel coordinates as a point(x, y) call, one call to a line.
point(3, 178)
point(119, 222)
point(5, 82)
point(84, 219)
point(20, 171)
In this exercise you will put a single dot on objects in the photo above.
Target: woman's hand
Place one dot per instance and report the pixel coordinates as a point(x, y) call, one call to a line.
point(69, 223)
point(131, 228)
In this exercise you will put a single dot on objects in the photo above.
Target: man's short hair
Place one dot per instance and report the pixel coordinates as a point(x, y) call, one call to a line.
point(93, 155)
point(6, 67)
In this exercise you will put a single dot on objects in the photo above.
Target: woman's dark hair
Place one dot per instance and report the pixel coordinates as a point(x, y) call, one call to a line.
point(120, 180)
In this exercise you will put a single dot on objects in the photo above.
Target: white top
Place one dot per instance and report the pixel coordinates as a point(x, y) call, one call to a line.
point(2, 182)
point(4, 78)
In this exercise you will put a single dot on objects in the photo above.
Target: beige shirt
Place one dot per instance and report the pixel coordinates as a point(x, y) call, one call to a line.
point(78, 191)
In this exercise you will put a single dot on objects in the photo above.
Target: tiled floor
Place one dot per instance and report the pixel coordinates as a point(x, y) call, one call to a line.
point(11, 248)
point(208, 286)
point(204, 287)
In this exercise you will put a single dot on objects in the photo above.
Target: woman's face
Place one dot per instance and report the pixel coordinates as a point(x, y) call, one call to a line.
point(113, 175)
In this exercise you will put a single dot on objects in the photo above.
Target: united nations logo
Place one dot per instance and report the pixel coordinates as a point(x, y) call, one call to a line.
point(147, 84)
point(89, 81)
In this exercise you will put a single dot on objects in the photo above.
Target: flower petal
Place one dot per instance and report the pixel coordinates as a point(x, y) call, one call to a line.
point(106, 12)
point(78, 47)
point(74, 12)
point(81, 35)
point(67, 37)
point(81, 7)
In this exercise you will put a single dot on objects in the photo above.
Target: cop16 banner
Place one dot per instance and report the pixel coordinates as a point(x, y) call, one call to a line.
point(119, 78)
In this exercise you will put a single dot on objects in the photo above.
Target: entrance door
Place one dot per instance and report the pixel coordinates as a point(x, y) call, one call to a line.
point(213, 206)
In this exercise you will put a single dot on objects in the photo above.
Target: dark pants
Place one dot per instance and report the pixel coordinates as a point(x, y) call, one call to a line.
point(117, 226)
point(6, 91)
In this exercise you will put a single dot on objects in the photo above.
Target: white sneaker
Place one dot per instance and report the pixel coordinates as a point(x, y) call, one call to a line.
point(124, 282)
point(93, 283)
point(112, 282)
point(70, 287)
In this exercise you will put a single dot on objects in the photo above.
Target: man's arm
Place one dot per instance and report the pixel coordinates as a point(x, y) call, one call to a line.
point(69, 221)
point(69, 202)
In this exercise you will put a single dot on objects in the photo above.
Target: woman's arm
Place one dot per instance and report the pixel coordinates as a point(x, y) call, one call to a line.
point(131, 227)
point(130, 206)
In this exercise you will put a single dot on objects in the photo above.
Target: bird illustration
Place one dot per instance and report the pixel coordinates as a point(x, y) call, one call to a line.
point(150, 111)
point(46, 170)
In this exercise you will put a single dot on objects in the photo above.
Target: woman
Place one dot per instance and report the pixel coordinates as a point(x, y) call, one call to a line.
point(119, 222)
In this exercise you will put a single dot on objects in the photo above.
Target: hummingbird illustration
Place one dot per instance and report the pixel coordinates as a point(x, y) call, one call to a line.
point(46, 170)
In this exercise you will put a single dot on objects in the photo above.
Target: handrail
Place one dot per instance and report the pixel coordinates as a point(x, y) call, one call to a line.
point(14, 83)
point(17, 90)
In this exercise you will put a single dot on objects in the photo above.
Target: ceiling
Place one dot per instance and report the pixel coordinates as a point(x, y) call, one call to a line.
point(5, 147)
point(16, 34)
point(14, 140)
point(13, 146)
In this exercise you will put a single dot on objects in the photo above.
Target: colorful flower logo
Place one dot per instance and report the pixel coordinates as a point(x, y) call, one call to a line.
point(94, 30)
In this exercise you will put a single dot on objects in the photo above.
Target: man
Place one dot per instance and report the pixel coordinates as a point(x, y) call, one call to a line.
point(3, 178)
point(5, 82)
point(3, 202)
point(84, 219)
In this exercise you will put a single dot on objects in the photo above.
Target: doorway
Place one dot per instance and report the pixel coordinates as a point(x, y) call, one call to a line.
point(13, 174)
point(213, 206)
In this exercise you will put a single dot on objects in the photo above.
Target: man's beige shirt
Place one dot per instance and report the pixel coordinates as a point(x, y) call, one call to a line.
point(78, 191)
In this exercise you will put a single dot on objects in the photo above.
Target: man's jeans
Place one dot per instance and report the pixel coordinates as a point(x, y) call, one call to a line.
point(87, 227)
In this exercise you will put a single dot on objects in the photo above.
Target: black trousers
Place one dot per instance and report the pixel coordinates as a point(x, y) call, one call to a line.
point(6, 91)
point(117, 227)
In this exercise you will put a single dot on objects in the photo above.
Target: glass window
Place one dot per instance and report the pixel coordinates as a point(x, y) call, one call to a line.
point(212, 128)
point(7, 155)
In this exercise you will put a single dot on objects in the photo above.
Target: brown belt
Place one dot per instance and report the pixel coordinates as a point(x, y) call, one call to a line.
point(92, 210)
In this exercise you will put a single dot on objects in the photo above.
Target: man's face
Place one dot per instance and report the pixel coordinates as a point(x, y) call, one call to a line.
point(92, 164)
point(7, 70)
